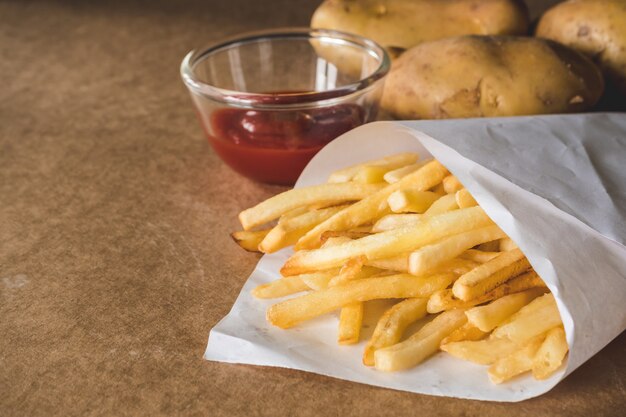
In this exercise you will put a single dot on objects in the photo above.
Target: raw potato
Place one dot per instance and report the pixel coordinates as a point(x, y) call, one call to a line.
point(596, 28)
point(486, 76)
point(402, 24)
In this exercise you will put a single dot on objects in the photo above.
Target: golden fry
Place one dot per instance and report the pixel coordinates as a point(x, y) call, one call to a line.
point(411, 200)
point(294, 213)
point(466, 332)
point(321, 280)
point(389, 163)
point(490, 274)
point(388, 244)
point(550, 355)
point(398, 263)
point(369, 209)
point(515, 363)
point(478, 255)
point(348, 271)
point(421, 345)
point(401, 264)
point(370, 175)
point(489, 316)
point(442, 205)
point(397, 174)
point(464, 199)
point(296, 310)
point(457, 266)
point(431, 256)
point(325, 194)
point(336, 241)
point(249, 240)
point(350, 322)
point(309, 218)
point(287, 232)
point(445, 300)
point(536, 318)
point(451, 184)
point(351, 316)
point(392, 324)
point(348, 233)
point(482, 352)
point(507, 244)
point(395, 221)
point(318, 280)
point(280, 287)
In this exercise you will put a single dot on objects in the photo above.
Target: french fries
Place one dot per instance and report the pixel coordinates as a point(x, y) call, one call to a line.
point(288, 231)
point(466, 332)
point(350, 234)
point(488, 317)
point(371, 208)
point(464, 199)
point(478, 255)
point(451, 184)
point(370, 175)
point(408, 230)
point(350, 321)
point(411, 200)
point(397, 174)
point(507, 244)
point(392, 324)
point(421, 345)
point(431, 256)
point(325, 194)
point(445, 300)
point(249, 240)
point(388, 163)
point(537, 317)
point(395, 221)
point(516, 363)
point(490, 274)
point(482, 352)
point(295, 310)
point(398, 263)
point(351, 316)
point(444, 204)
point(281, 287)
point(348, 271)
point(387, 244)
point(336, 241)
point(318, 280)
point(550, 355)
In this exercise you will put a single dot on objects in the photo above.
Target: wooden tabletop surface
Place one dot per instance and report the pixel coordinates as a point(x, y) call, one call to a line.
point(115, 258)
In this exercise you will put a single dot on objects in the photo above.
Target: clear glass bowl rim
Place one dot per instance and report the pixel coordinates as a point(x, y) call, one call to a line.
point(285, 100)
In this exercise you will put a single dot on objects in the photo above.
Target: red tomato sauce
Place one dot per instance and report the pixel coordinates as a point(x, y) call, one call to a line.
point(274, 146)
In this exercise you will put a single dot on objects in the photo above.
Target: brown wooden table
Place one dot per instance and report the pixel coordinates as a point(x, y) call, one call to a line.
point(115, 259)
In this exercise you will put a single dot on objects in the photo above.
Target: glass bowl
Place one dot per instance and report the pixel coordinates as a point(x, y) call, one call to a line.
point(269, 101)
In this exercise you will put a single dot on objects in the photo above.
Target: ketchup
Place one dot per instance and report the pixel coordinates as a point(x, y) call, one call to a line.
point(274, 146)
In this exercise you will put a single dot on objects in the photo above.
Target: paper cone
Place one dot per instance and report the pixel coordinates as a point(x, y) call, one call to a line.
point(555, 184)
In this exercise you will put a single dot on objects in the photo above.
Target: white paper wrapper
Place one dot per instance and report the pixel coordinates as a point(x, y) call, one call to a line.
point(555, 184)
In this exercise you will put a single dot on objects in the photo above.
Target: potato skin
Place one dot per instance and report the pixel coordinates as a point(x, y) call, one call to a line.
point(488, 76)
point(596, 28)
point(406, 23)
